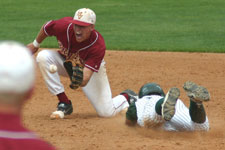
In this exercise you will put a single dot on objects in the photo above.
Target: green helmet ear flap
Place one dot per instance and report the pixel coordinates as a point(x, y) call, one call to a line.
point(151, 89)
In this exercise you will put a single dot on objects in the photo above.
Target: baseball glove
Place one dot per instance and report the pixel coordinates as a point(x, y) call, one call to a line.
point(75, 72)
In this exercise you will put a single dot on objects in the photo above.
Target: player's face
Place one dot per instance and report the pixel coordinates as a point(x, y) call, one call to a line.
point(82, 33)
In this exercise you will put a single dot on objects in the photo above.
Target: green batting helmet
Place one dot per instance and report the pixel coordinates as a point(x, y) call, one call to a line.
point(151, 89)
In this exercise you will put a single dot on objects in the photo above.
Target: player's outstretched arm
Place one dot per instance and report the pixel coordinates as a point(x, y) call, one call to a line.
point(87, 75)
point(34, 46)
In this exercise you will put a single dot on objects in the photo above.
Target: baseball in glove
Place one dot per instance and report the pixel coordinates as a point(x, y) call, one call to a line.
point(75, 72)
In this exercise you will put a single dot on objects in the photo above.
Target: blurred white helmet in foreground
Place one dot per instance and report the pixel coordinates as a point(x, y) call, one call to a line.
point(17, 70)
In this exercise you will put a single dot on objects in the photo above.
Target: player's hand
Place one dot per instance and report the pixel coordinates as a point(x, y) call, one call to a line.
point(75, 72)
point(32, 48)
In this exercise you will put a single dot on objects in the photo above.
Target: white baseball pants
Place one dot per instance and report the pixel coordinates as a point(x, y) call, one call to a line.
point(181, 120)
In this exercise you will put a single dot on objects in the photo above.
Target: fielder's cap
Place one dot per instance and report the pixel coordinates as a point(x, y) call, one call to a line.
point(84, 17)
point(17, 68)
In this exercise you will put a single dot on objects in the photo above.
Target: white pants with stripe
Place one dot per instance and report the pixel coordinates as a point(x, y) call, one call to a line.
point(97, 90)
point(181, 121)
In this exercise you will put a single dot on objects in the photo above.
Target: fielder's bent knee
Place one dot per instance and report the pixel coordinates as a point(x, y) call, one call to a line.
point(105, 114)
point(42, 56)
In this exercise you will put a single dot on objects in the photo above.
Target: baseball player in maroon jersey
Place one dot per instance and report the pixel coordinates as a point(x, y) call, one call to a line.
point(79, 42)
point(17, 77)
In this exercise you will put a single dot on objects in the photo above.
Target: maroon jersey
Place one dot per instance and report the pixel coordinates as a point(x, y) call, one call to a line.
point(91, 51)
point(13, 136)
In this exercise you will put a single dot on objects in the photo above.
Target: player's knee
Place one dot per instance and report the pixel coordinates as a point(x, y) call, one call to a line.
point(42, 56)
point(105, 114)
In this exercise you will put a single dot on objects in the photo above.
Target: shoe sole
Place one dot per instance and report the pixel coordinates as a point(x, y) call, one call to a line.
point(129, 92)
point(196, 92)
point(168, 106)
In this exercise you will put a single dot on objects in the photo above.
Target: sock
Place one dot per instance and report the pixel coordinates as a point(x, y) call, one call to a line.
point(63, 98)
point(197, 112)
point(127, 97)
point(158, 106)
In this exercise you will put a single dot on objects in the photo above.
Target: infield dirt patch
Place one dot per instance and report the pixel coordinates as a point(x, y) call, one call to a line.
point(84, 130)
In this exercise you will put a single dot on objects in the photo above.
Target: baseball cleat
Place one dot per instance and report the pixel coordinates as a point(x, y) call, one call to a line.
point(67, 109)
point(62, 109)
point(195, 92)
point(168, 106)
point(131, 94)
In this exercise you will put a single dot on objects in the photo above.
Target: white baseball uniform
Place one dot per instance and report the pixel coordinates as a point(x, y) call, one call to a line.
point(181, 121)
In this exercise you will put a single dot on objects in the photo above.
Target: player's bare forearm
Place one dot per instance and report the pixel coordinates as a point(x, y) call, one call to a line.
point(34, 46)
point(41, 35)
point(87, 75)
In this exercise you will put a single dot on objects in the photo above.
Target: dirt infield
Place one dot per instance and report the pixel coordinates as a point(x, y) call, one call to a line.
point(84, 130)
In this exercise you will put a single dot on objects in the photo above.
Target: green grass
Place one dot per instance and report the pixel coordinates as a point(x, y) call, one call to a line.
point(149, 25)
